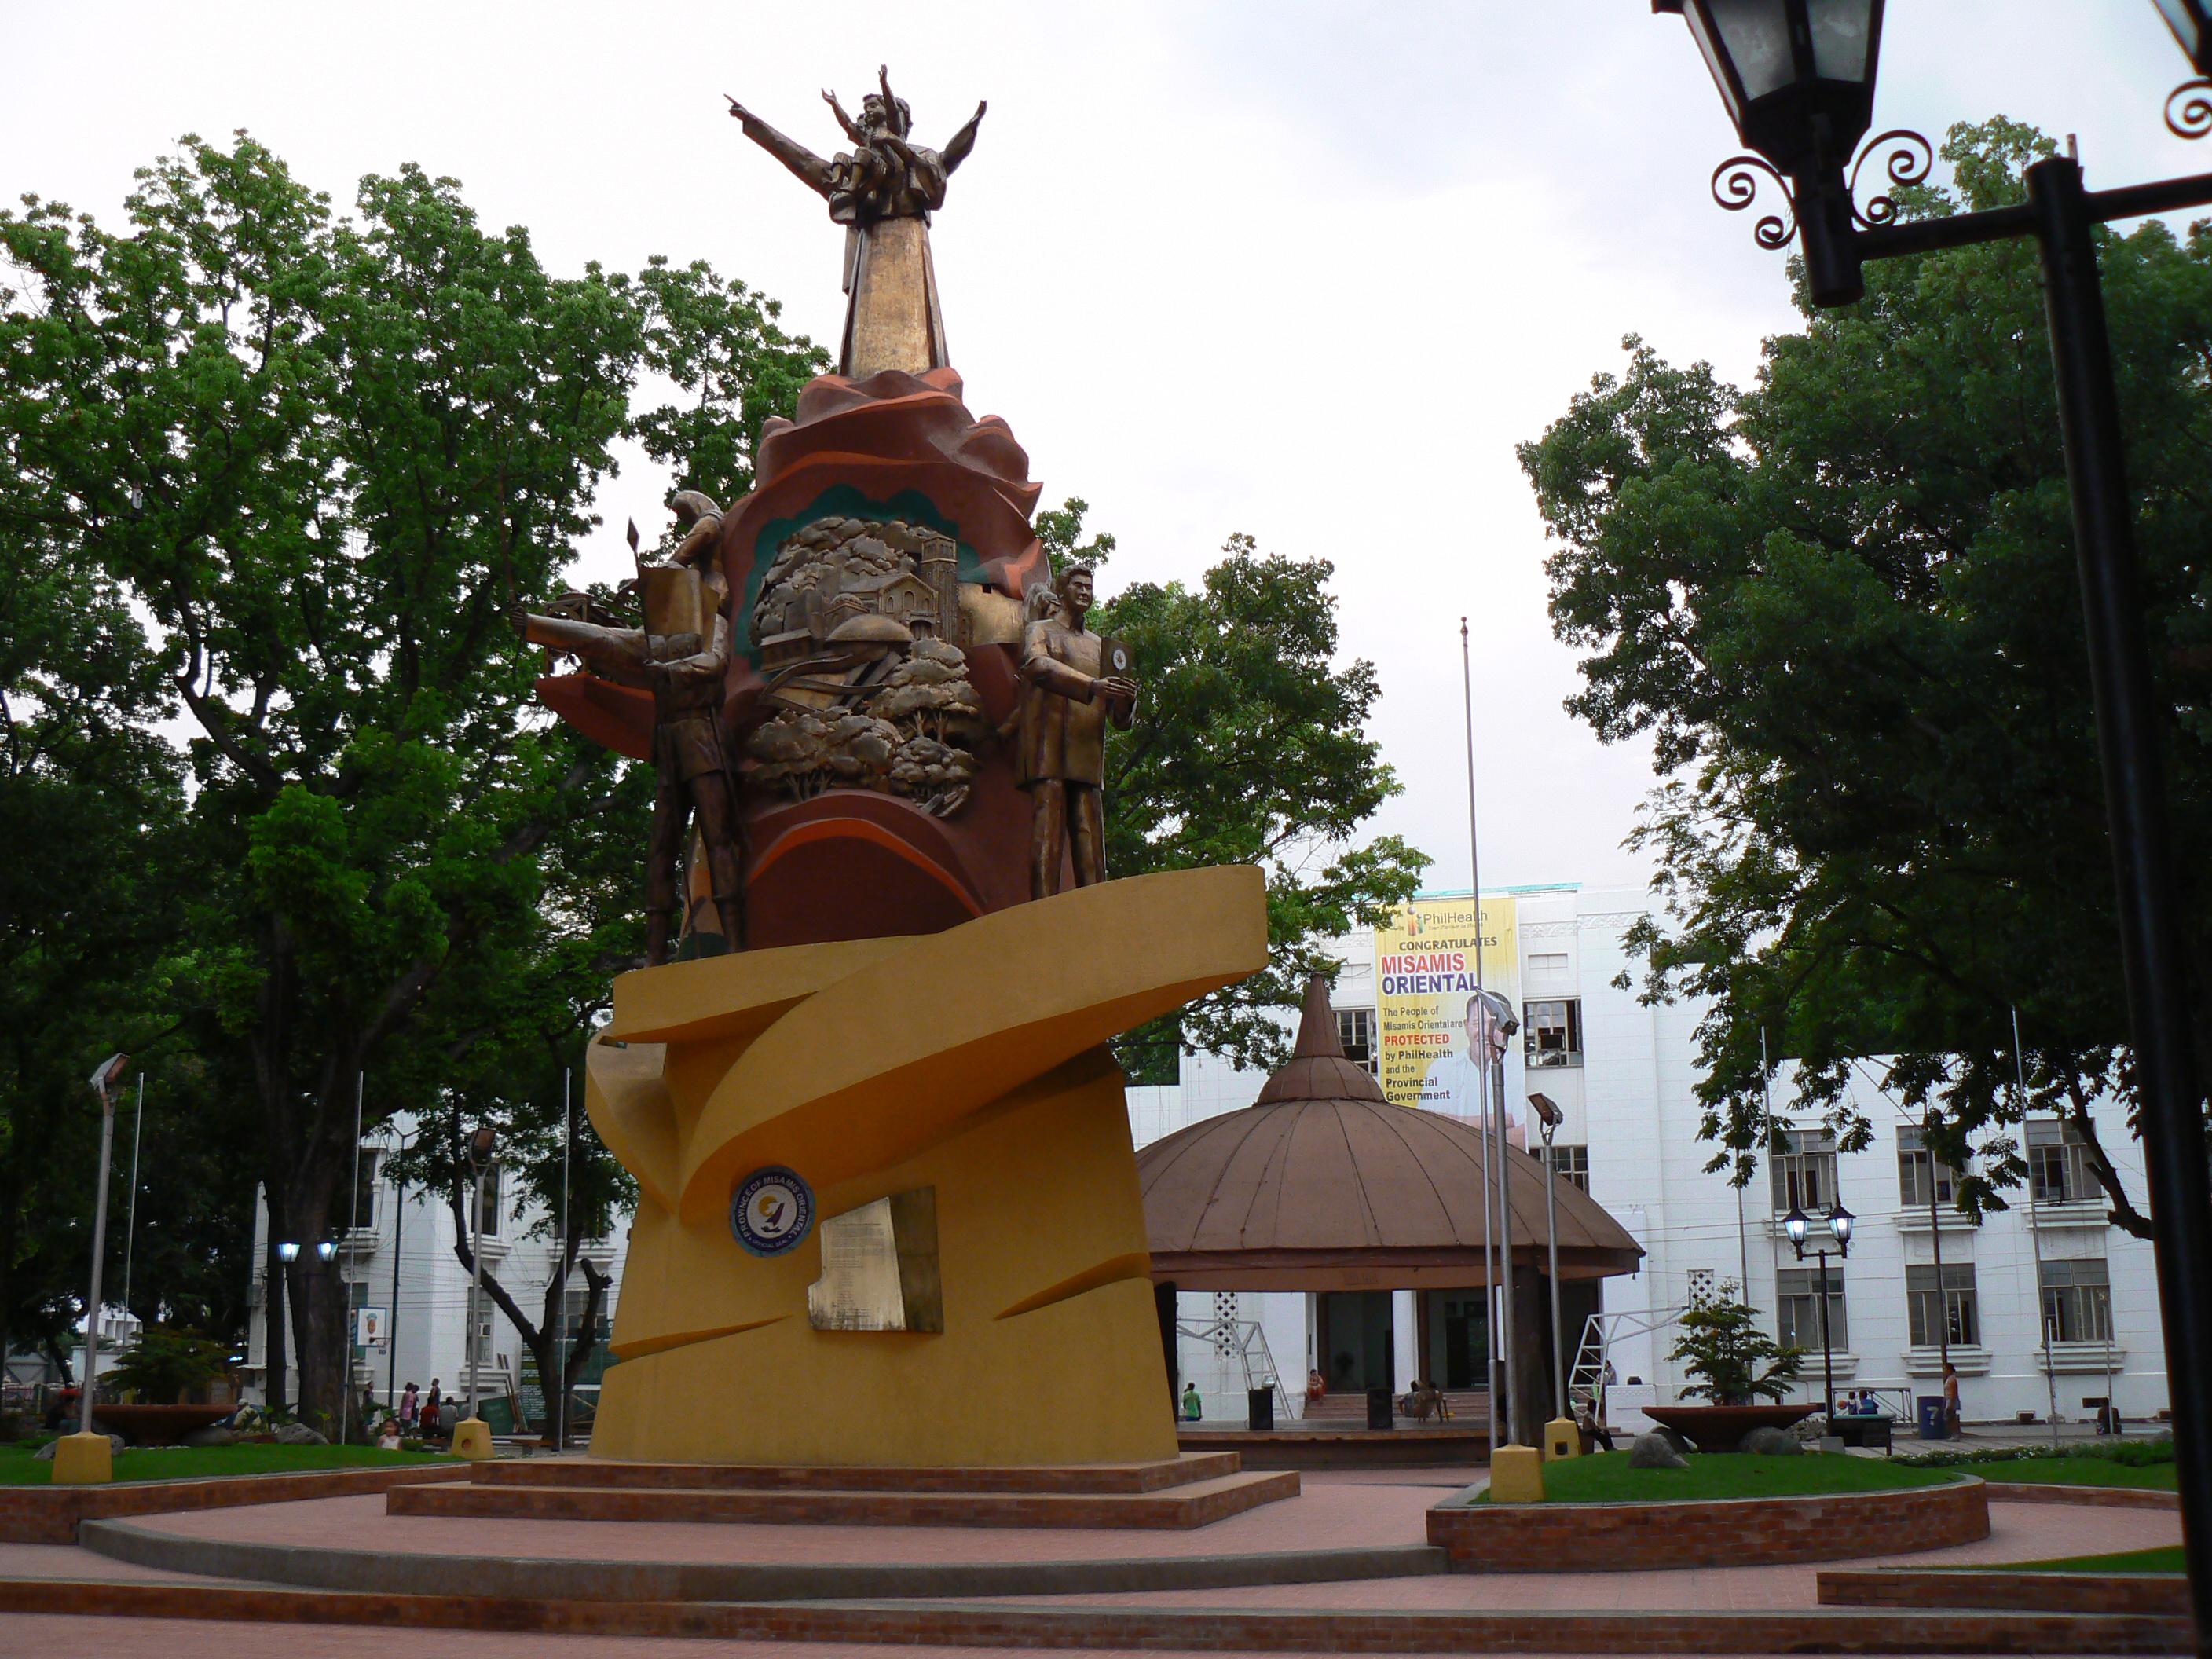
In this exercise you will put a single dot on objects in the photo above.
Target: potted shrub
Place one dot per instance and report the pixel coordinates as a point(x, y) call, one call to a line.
point(1735, 1366)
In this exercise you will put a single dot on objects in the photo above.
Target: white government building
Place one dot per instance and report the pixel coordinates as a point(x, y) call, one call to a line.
point(399, 1263)
point(2048, 1277)
point(1623, 1075)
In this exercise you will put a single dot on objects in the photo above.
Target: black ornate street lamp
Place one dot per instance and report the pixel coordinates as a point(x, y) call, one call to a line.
point(1798, 1226)
point(1802, 123)
point(2189, 106)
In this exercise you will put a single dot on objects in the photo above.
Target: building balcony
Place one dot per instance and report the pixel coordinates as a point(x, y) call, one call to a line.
point(1917, 1221)
point(2073, 1212)
point(1970, 1359)
point(2099, 1357)
point(354, 1242)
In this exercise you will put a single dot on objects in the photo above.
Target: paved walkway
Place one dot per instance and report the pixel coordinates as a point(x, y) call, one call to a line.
point(1337, 1509)
point(2018, 1532)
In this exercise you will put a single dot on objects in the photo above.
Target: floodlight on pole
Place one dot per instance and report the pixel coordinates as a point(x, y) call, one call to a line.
point(481, 1145)
point(104, 1081)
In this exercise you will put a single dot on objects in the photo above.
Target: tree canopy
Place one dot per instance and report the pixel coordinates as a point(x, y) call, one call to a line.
point(1250, 747)
point(299, 463)
point(1842, 603)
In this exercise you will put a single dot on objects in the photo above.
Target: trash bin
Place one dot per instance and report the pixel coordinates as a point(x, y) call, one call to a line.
point(1934, 1422)
point(1381, 1409)
point(1259, 1410)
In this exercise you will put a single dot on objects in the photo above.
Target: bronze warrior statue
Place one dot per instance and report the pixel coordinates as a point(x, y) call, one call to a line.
point(1066, 700)
point(883, 191)
point(680, 655)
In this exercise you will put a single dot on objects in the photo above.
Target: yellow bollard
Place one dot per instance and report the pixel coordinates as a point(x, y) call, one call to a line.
point(472, 1439)
point(83, 1460)
point(1562, 1438)
point(1517, 1475)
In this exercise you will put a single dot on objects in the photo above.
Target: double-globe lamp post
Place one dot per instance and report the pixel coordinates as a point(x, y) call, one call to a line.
point(288, 1252)
point(1797, 77)
point(1799, 1227)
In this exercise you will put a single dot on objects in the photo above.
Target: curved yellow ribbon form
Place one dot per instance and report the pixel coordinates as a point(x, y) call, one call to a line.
point(864, 1073)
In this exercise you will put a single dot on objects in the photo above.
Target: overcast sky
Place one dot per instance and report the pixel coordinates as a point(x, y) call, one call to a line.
point(1307, 270)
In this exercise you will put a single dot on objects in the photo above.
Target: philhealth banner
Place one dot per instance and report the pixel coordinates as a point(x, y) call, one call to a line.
point(1425, 990)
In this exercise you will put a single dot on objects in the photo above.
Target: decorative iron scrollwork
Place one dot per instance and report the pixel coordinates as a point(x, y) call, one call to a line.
point(1906, 158)
point(2189, 109)
point(1735, 186)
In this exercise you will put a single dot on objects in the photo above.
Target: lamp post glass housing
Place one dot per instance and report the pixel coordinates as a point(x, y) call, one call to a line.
point(1797, 75)
point(2191, 23)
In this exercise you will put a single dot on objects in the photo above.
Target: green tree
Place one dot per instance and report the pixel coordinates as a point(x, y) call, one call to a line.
point(1250, 747)
point(320, 456)
point(1842, 604)
point(1736, 1362)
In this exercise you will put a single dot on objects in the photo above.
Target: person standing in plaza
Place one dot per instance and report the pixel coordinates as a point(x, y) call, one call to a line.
point(410, 1406)
point(433, 1409)
point(1951, 1419)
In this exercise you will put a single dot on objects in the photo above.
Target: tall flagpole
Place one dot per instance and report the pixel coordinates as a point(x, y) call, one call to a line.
point(560, 1378)
point(353, 1227)
point(1497, 1221)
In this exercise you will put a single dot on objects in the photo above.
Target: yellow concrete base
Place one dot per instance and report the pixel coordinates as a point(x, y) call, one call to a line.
point(83, 1460)
point(971, 1061)
point(473, 1438)
point(1562, 1438)
point(1517, 1475)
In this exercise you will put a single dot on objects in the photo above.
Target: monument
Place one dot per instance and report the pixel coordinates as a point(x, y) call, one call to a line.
point(888, 1211)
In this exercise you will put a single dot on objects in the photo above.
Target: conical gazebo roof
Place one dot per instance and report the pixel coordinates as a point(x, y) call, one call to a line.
point(1324, 1185)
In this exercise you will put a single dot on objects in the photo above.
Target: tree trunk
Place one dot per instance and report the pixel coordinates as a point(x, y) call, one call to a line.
point(278, 1388)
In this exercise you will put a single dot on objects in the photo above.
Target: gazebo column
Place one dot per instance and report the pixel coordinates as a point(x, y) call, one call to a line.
point(1163, 1304)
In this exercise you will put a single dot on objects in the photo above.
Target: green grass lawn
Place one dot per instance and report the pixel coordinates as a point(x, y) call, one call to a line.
point(19, 1469)
point(1606, 1478)
point(2077, 1472)
point(2165, 1559)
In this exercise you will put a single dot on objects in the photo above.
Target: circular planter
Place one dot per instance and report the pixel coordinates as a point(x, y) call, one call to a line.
point(158, 1426)
point(1717, 1532)
point(1722, 1428)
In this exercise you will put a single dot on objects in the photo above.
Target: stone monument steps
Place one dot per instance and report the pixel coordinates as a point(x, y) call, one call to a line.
point(1097, 1479)
point(1180, 1508)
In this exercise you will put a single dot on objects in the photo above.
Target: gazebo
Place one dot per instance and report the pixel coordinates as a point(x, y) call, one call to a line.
point(1324, 1186)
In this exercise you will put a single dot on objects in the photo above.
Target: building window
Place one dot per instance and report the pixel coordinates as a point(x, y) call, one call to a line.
point(487, 1216)
point(2078, 1301)
point(480, 1352)
point(2057, 1162)
point(363, 1215)
point(1571, 1163)
point(1703, 1283)
point(1805, 1172)
point(1797, 1299)
point(1355, 1030)
point(1552, 1034)
point(1961, 1319)
point(1548, 962)
point(1914, 1164)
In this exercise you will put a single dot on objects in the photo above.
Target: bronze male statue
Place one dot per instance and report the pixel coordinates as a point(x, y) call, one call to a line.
point(1066, 701)
point(680, 655)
